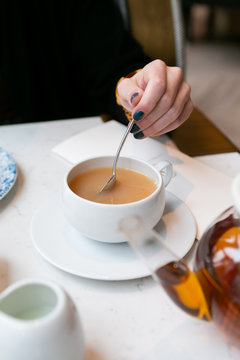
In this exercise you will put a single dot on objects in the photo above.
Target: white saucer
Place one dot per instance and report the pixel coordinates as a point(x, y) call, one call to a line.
point(62, 246)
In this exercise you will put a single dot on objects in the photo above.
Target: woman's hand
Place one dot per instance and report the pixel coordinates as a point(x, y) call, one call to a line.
point(158, 98)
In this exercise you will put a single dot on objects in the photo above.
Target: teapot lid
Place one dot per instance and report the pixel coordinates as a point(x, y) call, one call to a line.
point(236, 193)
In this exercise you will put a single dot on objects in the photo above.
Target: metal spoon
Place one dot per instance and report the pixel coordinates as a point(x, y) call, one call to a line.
point(109, 184)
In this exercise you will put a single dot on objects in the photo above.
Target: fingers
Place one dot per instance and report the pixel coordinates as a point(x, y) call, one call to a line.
point(158, 98)
point(149, 84)
point(162, 86)
point(187, 110)
point(158, 120)
point(153, 80)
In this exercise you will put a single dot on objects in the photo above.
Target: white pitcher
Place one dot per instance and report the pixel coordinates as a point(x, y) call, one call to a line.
point(38, 321)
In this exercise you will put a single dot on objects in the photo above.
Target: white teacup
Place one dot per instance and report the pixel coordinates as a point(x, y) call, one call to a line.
point(101, 221)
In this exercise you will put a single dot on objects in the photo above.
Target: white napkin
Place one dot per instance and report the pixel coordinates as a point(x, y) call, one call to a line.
point(206, 191)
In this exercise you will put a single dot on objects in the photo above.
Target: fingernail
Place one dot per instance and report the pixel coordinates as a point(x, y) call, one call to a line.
point(133, 96)
point(138, 115)
point(135, 128)
point(139, 135)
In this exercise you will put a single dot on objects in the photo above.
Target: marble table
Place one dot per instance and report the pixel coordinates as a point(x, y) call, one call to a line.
point(122, 320)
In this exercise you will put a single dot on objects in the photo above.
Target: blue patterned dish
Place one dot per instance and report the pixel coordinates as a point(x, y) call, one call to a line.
point(8, 172)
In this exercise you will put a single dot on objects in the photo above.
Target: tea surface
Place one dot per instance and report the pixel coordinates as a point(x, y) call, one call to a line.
point(130, 186)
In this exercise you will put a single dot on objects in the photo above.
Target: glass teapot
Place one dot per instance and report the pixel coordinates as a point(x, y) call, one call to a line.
point(212, 290)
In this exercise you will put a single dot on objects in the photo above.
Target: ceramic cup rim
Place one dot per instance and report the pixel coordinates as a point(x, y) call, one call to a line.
point(29, 282)
point(159, 184)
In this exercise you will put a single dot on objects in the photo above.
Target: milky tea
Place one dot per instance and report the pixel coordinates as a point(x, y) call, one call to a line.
point(130, 186)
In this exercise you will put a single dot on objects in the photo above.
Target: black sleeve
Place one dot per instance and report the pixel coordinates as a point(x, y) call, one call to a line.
point(63, 58)
point(106, 52)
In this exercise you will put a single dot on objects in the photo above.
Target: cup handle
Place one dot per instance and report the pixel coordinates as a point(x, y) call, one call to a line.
point(166, 170)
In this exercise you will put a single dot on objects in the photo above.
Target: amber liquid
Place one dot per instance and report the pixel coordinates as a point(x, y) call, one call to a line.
point(130, 186)
point(184, 289)
point(213, 289)
point(218, 268)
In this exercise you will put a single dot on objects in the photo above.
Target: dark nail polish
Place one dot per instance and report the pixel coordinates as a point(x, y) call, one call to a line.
point(133, 96)
point(138, 115)
point(135, 128)
point(139, 135)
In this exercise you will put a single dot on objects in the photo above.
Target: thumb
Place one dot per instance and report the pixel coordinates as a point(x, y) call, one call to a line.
point(136, 97)
point(129, 93)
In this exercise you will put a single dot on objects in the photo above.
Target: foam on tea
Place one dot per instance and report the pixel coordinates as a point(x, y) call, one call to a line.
point(130, 186)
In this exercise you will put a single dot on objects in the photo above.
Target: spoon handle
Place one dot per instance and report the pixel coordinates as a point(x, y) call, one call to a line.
point(130, 125)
